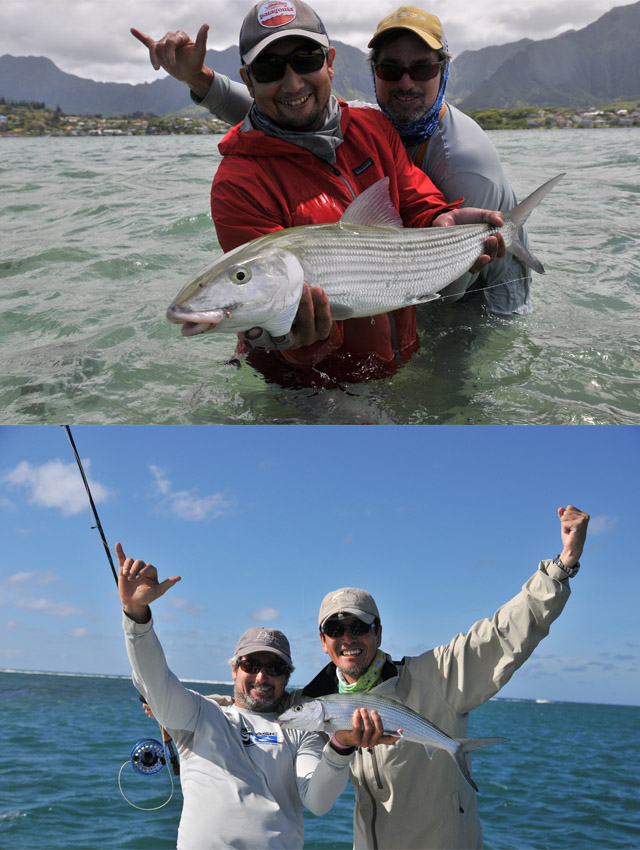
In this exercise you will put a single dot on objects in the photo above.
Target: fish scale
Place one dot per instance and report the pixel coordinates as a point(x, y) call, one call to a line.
point(367, 263)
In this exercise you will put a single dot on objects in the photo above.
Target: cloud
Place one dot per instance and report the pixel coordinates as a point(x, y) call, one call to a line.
point(265, 615)
point(79, 633)
point(187, 505)
point(181, 603)
point(46, 606)
point(602, 524)
point(55, 485)
point(34, 577)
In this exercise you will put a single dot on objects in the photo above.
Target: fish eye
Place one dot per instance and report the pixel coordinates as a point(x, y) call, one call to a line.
point(241, 275)
point(297, 708)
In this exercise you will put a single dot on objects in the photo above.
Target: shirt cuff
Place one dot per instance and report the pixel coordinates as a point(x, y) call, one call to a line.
point(132, 628)
point(553, 570)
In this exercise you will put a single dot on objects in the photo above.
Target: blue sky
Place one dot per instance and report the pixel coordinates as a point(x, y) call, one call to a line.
point(441, 525)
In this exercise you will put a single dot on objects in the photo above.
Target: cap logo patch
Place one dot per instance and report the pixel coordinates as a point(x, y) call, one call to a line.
point(276, 14)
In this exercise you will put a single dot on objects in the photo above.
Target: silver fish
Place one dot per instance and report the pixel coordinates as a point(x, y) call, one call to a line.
point(334, 712)
point(367, 263)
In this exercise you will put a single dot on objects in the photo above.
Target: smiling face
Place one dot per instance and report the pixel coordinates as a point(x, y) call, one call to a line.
point(406, 100)
point(352, 654)
point(259, 691)
point(296, 101)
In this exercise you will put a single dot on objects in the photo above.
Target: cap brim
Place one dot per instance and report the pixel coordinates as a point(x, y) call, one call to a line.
point(252, 54)
point(361, 615)
point(260, 647)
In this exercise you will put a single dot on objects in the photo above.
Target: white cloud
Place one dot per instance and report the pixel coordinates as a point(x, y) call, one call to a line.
point(602, 524)
point(46, 606)
point(55, 485)
point(34, 577)
point(187, 504)
point(181, 603)
point(79, 633)
point(265, 615)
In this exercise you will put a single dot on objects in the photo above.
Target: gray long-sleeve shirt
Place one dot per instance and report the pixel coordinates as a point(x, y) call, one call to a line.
point(244, 779)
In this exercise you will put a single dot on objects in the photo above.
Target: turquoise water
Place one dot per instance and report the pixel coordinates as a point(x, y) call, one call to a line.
point(100, 234)
point(568, 779)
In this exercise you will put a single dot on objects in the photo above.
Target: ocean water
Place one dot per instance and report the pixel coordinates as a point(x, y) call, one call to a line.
point(99, 235)
point(568, 779)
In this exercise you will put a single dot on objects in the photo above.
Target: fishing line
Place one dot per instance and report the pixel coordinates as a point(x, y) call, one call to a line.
point(168, 742)
point(148, 758)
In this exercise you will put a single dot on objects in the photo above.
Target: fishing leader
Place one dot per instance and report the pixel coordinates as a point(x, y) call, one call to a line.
point(300, 157)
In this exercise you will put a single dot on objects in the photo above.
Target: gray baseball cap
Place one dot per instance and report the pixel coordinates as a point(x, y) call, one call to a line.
point(262, 639)
point(270, 21)
point(348, 600)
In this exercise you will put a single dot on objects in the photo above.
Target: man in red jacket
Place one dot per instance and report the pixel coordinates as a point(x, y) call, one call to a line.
point(300, 157)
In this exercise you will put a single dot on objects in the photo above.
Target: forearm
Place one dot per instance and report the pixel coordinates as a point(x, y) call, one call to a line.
point(173, 705)
point(223, 97)
point(320, 789)
point(476, 665)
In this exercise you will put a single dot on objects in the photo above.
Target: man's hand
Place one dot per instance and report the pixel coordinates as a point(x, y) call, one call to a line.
point(181, 57)
point(312, 323)
point(138, 586)
point(367, 731)
point(573, 530)
point(494, 246)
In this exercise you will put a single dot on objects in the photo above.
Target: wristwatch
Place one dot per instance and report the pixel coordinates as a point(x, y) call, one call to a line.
point(570, 571)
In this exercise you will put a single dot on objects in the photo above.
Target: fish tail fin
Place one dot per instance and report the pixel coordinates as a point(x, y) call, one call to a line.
point(520, 213)
point(467, 746)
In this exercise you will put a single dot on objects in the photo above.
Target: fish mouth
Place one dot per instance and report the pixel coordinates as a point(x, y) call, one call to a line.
point(196, 323)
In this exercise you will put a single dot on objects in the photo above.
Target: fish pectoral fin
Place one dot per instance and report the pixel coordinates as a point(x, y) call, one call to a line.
point(339, 312)
point(430, 750)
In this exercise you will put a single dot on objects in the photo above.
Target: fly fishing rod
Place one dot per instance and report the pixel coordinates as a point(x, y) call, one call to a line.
point(166, 738)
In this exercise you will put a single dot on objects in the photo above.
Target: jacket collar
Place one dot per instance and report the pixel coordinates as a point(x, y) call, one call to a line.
point(326, 682)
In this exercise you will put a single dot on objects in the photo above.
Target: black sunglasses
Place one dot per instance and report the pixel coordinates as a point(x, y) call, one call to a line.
point(271, 668)
point(419, 73)
point(272, 67)
point(336, 628)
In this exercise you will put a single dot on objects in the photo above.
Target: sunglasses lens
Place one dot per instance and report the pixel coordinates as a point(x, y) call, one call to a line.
point(271, 668)
point(272, 68)
point(419, 73)
point(336, 629)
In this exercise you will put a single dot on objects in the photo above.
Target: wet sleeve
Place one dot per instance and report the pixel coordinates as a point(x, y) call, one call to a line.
point(474, 666)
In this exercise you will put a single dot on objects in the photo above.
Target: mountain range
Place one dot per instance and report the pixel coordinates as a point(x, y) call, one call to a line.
point(588, 67)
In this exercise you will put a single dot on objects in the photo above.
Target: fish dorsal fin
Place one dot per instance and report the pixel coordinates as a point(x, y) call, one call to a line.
point(373, 207)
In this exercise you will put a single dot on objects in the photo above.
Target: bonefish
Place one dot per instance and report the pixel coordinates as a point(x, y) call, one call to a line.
point(334, 712)
point(367, 263)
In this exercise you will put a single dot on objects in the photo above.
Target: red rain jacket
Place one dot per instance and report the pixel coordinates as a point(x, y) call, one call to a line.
point(264, 184)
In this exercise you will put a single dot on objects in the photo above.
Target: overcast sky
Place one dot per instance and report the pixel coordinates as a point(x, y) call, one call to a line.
point(441, 524)
point(91, 39)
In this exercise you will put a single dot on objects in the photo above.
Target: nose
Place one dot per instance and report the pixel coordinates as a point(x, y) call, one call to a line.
point(292, 81)
point(406, 82)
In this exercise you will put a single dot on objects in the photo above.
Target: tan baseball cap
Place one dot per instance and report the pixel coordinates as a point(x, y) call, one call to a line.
point(348, 600)
point(262, 639)
point(421, 23)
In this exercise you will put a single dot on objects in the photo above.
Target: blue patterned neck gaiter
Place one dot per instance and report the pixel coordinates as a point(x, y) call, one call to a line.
point(417, 131)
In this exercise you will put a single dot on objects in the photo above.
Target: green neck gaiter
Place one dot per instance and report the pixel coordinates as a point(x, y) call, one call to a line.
point(368, 680)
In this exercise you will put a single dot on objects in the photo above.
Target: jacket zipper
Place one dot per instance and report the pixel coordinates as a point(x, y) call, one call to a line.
point(392, 322)
point(374, 837)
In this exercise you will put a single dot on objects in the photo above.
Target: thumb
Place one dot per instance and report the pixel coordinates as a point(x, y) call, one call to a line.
point(201, 38)
point(167, 584)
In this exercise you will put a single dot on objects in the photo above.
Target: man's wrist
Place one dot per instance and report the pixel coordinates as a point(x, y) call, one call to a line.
point(567, 563)
point(138, 615)
point(200, 83)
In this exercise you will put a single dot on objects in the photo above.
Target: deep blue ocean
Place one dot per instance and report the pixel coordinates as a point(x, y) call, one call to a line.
point(569, 778)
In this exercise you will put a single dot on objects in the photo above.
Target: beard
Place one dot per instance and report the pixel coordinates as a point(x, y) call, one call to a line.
point(404, 115)
point(259, 698)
